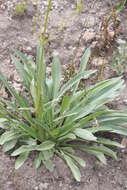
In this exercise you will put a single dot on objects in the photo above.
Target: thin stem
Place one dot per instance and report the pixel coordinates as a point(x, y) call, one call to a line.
point(102, 70)
point(42, 55)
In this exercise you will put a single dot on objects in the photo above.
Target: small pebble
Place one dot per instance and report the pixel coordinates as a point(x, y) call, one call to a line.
point(43, 186)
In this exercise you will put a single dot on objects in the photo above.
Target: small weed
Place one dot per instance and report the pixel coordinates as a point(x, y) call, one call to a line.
point(109, 38)
point(20, 8)
point(79, 7)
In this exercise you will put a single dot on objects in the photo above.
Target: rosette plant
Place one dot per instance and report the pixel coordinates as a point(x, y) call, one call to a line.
point(50, 117)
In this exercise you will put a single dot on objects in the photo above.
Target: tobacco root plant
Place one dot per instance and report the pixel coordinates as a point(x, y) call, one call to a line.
point(49, 117)
point(64, 123)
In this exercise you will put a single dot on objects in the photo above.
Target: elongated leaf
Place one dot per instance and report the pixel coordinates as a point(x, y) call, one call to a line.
point(65, 116)
point(72, 166)
point(47, 145)
point(65, 104)
point(110, 85)
point(23, 149)
point(102, 149)
point(21, 159)
point(84, 134)
point(49, 165)
point(9, 145)
point(48, 154)
point(28, 130)
point(90, 117)
point(43, 82)
point(69, 136)
point(80, 161)
point(33, 90)
point(49, 84)
point(38, 60)
point(97, 98)
point(22, 101)
point(56, 75)
point(73, 81)
point(109, 142)
point(28, 67)
point(109, 128)
point(38, 160)
point(2, 123)
point(68, 150)
point(6, 84)
point(99, 155)
point(113, 117)
point(8, 136)
point(83, 64)
point(121, 5)
point(23, 73)
point(85, 60)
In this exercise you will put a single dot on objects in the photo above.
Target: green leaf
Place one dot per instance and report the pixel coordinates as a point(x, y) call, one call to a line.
point(6, 84)
point(31, 131)
point(41, 80)
point(21, 159)
point(84, 134)
point(65, 104)
point(22, 101)
point(23, 149)
point(72, 166)
point(99, 155)
point(80, 161)
point(28, 64)
point(85, 60)
point(112, 117)
point(109, 142)
point(99, 95)
point(8, 136)
point(121, 5)
point(33, 90)
point(48, 154)
point(73, 81)
point(38, 160)
point(68, 150)
point(47, 145)
point(109, 128)
point(2, 123)
point(2, 120)
point(83, 64)
point(69, 136)
point(23, 73)
point(102, 149)
point(49, 83)
point(9, 145)
point(65, 116)
point(69, 126)
point(49, 165)
point(56, 75)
